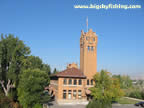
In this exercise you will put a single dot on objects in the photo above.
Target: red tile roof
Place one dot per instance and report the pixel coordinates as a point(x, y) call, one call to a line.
point(70, 72)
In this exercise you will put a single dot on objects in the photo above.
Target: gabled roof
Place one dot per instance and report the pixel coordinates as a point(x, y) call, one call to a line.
point(70, 73)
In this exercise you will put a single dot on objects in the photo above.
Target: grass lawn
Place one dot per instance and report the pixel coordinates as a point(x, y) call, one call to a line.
point(127, 101)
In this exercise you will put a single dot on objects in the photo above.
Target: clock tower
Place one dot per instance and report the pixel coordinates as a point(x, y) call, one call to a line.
point(88, 53)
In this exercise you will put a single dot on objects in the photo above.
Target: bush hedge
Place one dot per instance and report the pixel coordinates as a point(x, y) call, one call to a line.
point(137, 94)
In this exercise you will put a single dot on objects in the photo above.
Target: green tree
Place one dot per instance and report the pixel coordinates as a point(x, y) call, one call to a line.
point(31, 87)
point(55, 71)
point(106, 88)
point(34, 62)
point(125, 81)
point(12, 53)
point(46, 68)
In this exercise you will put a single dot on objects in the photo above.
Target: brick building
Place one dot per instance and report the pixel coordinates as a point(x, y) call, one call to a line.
point(72, 84)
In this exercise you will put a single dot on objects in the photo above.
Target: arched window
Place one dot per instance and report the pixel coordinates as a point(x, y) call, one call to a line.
point(88, 48)
point(87, 82)
point(75, 82)
point(80, 82)
point(65, 81)
point(70, 81)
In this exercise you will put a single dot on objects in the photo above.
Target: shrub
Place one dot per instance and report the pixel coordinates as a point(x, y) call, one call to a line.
point(5, 102)
point(37, 106)
point(136, 94)
point(142, 94)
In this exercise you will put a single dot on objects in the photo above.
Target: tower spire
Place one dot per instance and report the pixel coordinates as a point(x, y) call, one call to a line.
point(87, 23)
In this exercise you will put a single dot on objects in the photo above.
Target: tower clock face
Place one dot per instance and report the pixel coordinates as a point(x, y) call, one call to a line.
point(90, 40)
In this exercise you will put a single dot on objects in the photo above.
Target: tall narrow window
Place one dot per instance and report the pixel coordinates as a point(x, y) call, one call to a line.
point(64, 94)
point(75, 82)
point(91, 82)
point(79, 94)
point(92, 48)
point(80, 82)
point(74, 94)
point(87, 38)
point(70, 81)
point(69, 94)
point(88, 48)
point(65, 81)
point(87, 82)
point(93, 39)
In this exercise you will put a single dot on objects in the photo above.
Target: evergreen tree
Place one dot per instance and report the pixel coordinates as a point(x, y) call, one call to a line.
point(55, 71)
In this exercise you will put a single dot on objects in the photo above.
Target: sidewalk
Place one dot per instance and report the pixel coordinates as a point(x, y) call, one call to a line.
point(134, 99)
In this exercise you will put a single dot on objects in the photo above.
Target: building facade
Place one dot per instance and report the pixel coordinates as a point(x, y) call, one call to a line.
point(72, 84)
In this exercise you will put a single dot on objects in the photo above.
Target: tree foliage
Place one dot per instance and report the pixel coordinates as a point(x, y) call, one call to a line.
point(12, 53)
point(125, 81)
point(31, 87)
point(46, 68)
point(24, 73)
point(34, 62)
point(106, 88)
point(55, 71)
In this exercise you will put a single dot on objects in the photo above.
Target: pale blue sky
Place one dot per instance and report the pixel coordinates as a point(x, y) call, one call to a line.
point(51, 28)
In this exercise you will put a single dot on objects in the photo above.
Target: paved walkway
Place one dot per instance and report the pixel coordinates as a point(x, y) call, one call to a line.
point(55, 105)
point(134, 99)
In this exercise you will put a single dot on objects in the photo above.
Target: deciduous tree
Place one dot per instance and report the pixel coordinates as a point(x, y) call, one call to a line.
point(12, 53)
point(125, 81)
point(106, 88)
point(31, 87)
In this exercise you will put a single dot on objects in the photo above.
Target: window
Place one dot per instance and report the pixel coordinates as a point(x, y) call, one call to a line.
point(92, 48)
point(65, 81)
point(70, 81)
point(74, 94)
point(64, 94)
point(88, 48)
point(69, 94)
point(87, 38)
point(75, 82)
point(80, 82)
point(93, 39)
point(87, 82)
point(91, 82)
point(79, 94)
